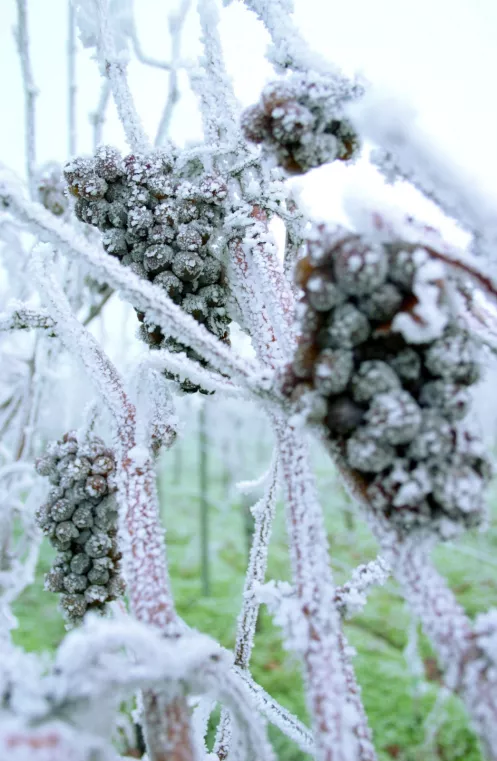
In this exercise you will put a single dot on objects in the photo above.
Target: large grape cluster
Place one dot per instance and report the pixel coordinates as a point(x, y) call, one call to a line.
point(300, 121)
point(159, 221)
point(79, 518)
point(395, 409)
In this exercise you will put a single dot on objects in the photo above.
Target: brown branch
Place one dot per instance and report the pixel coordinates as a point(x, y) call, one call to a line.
point(468, 266)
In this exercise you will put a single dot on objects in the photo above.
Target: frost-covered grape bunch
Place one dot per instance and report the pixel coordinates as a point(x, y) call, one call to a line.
point(300, 121)
point(390, 370)
point(159, 220)
point(79, 518)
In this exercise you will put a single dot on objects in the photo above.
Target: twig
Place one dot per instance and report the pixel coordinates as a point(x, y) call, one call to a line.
point(176, 24)
point(290, 50)
point(96, 309)
point(350, 597)
point(30, 93)
point(19, 316)
point(185, 368)
point(278, 715)
point(97, 117)
point(340, 725)
point(408, 153)
point(339, 721)
point(467, 670)
point(218, 103)
point(115, 71)
point(263, 512)
point(71, 75)
point(295, 235)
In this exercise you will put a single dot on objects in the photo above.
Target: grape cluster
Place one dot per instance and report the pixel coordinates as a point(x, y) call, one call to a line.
point(159, 221)
point(396, 410)
point(300, 122)
point(79, 518)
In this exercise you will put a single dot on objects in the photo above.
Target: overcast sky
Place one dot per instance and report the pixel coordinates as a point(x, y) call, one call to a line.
point(439, 55)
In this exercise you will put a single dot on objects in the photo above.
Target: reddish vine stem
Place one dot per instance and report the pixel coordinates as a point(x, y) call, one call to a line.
point(339, 721)
point(340, 724)
point(485, 280)
point(166, 718)
point(467, 670)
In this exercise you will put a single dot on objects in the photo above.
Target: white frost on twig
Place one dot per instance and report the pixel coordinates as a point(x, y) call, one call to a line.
point(106, 25)
point(350, 598)
point(20, 316)
point(410, 153)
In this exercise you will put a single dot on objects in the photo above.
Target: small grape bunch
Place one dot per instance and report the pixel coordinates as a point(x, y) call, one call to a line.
point(160, 221)
point(300, 121)
point(79, 518)
point(388, 371)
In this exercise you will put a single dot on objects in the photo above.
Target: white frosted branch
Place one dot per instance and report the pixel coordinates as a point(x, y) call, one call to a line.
point(192, 663)
point(263, 512)
point(261, 251)
point(97, 117)
point(480, 321)
point(246, 487)
point(214, 87)
point(176, 25)
point(157, 424)
point(254, 310)
point(454, 638)
point(30, 93)
point(339, 722)
point(278, 715)
point(350, 598)
point(186, 369)
point(71, 76)
point(289, 50)
point(411, 154)
point(115, 65)
point(52, 741)
point(19, 316)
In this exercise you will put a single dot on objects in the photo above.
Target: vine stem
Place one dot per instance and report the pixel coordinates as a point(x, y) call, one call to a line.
point(115, 71)
point(71, 75)
point(466, 669)
point(30, 93)
point(166, 717)
point(341, 730)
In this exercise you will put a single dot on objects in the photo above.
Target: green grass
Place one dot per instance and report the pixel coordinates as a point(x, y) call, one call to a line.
point(398, 704)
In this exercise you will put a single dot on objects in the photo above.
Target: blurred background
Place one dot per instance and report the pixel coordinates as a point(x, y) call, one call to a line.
point(441, 59)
